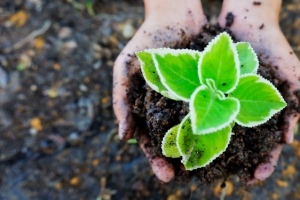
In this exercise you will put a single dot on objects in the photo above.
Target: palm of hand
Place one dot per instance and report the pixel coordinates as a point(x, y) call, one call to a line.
point(273, 48)
point(152, 34)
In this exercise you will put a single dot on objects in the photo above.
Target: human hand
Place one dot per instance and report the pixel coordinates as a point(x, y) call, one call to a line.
point(166, 24)
point(259, 24)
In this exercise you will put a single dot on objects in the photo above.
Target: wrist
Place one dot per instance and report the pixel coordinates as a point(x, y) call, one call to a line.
point(170, 9)
point(249, 14)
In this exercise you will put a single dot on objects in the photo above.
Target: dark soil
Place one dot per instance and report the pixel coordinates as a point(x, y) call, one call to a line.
point(256, 3)
point(229, 19)
point(248, 147)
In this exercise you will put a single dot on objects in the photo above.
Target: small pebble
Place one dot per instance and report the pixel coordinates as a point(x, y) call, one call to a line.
point(3, 78)
point(36, 123)
point(56, 66)
point(73, 136)
point(33, 131)
point(83, 87)
point(3, 61)
point(97, 64)
point(128, 30)
point(33, 88)
point(69, 46)
point(97, 47)
point(25, 60)
point(64, 32)
point(75, 181)
point(282, 183)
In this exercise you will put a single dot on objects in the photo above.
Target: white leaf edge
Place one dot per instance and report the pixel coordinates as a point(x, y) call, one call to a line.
point(213, 129)
point(164, 142)
point(272, 111)
point(236, 58)
point(185, 157)
point(162, 52)
point(165, 93)
point(255, 56)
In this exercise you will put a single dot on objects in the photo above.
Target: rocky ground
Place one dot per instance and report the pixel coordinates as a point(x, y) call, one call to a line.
point(58, 133)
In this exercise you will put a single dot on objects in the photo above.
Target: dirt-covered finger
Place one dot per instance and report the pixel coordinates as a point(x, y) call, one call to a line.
point(121, 101)
point(290, 115)
point(264, 170)
point(160, 166)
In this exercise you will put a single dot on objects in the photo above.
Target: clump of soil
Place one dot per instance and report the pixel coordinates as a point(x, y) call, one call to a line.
point(248, 147)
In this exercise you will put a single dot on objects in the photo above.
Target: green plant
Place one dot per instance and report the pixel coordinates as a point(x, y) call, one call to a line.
point(221, 86)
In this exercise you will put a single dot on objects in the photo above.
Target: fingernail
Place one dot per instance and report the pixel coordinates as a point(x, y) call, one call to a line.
point(123, 131)
point(162, 169)
point(289, 136)
point(264, 171)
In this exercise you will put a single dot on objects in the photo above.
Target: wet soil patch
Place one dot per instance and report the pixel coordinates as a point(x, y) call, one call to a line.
point(248, 147)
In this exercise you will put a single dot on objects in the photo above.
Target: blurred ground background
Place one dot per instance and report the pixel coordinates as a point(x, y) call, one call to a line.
point(58, 133)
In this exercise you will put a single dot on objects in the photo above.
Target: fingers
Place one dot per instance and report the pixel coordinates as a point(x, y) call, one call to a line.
point(163, 170)
point(292, 120)
point(121, 102)
point(264, 170)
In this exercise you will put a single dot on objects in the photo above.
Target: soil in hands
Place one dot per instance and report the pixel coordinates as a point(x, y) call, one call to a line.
point(248, 147)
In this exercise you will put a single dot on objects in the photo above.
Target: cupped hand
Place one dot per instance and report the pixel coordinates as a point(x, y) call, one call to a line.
point(166, 24)
point(258, 24)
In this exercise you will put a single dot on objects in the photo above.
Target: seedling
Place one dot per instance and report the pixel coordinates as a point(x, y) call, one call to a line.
point(222, 88)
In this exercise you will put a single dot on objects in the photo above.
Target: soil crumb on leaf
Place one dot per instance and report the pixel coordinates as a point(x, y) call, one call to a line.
point(248, 147)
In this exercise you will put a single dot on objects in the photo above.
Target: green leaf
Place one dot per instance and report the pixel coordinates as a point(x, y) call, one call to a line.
point(232, 124)
point(209, 113)
point(150, 74)
point(247, 57)
point(177, 70)
point(132, 141)
point(199, 150)
point(220, 62)
point(169, 147)
point(259, 100)
point(185, 138)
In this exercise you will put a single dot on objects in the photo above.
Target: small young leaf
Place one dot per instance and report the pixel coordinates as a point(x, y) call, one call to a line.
point(150, 74)
point(212, 86)
point(199, 150)
point(169, 147)
point(259, 100)
point(209, 113)
point(177, 70)
point(220, 62)
point(247, 57)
